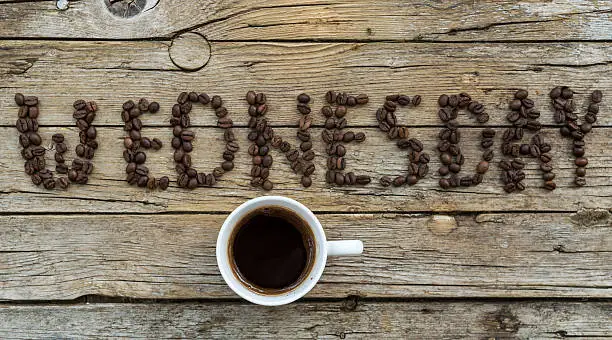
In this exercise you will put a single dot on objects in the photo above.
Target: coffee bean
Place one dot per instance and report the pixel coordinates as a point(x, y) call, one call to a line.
point(221, 112)
point(33, 112)
point(521, 94)
point(454, 167)
point(143, 104)
point(482, 167)
point(303, 98)
point(580, 181)
point(517, 164)
point(596, 96)
point(385, 181)
point(192, 183)
point(49, 183)
point(140, 157)
point(465, 181)
point(443, 100)
point(267, 161)
point(308, 155)
point(267, 185)
point(586, 127)
point(399, 181)
point(590, 118)
point(581, 161)
point(444, 183)
point(546, 167)
point(446, 158)
point(227, 165)
point(182, 98)
point(556, 92)
point(566, 93)
point(360, 137)
point(91, 132)
point(135, 135)
point(423, 170)
point(30, 100)
point(163, 183)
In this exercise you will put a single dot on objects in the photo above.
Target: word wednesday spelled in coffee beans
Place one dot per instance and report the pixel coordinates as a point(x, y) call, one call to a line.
point(522, 114)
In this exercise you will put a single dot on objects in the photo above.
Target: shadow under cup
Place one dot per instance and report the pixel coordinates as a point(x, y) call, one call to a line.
point(271, 250)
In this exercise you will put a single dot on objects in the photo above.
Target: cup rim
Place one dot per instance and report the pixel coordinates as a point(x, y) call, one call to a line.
point(309, 281)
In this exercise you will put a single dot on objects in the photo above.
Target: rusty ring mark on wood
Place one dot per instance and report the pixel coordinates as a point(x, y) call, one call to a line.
point(181, 60)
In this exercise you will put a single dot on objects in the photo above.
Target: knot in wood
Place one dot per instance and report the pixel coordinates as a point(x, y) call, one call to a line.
point(190, 51)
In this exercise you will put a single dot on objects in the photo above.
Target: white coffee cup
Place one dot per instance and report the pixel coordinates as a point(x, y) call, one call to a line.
point(323, 248)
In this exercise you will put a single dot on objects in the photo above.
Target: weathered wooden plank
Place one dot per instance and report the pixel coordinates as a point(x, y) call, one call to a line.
point(307, 320)
point(107, 190)
point(111, 72)
point(317, 19)
point(55, 257)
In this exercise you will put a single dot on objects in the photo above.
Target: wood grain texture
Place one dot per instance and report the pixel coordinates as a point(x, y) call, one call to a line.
point(55, 257)
point(59, 72)
point(108, 191)
point(309, 320)
point(489, 20)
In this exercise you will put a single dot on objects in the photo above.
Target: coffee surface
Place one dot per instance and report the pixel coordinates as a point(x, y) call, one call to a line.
point(272, 249)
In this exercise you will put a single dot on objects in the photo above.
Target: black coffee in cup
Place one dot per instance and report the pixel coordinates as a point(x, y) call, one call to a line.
point(272, 250)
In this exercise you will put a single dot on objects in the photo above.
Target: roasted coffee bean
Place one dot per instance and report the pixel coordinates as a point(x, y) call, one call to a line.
point(446, 158)
point(596, 96)
point(465, 181)
point(454, 168)
point(581, 161)
point(423, 170)
point(443, 100)
point(135, 135)
point(525, 149)
point(33, 112)
point(267, 161)
point(546, 167)
point(182, 97)
point(308, 155)
point(49, 183)
point(444, 183)
point(517, 164)
point(327, 111)
point(521, 94)
point(140, 157)
point(303, 108)
point(482, 167)
point(399, 181)
point(30, 100)
point(360, 137)
point(535, 151)
point(19, 99)
point(545, 158)
point(488, 155)
point(566, 93)
point(578, 151)
point(341, 123)
point(443, 171)
point(80, 150)
point(227, 165)
point(348, 137)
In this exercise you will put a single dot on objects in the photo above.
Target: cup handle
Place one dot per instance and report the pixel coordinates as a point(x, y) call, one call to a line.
point(348, 247)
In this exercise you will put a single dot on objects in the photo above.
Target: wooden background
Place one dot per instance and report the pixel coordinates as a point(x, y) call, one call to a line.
point(110, 260)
